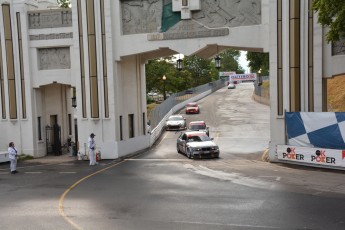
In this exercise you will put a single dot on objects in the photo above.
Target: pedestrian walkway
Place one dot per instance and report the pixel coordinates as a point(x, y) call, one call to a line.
point(50, 159)
point(46, 160)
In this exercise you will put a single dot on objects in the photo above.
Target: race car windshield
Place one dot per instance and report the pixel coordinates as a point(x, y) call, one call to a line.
point(198, 138)
point(197, 127)
point(192, 105)
point(175, 118)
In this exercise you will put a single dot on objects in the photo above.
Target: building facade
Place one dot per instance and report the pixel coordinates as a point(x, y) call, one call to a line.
point(96, 52)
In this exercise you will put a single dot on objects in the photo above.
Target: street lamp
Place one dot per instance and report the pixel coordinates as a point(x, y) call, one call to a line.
point(164, 93)
point(217, 60)
point(74, 98)
point(74, 102)
point(179, 65)
point(260, 79)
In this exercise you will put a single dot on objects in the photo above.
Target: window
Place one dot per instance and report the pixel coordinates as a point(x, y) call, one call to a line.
point(184, 2)
point(69, 124)
point(21, 65)
point(81, 54)
point(6, 13)
point(121, 136)
point(144, 124)
point(131, 125)
point(39, 129)
point(92, 58)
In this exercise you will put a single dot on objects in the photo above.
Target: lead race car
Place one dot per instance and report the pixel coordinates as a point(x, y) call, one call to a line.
point(196, 144)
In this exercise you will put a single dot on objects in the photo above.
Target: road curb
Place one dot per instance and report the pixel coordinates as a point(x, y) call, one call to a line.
point(264, 156)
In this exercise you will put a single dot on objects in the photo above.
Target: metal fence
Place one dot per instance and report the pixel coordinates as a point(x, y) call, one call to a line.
point(160, 111)
point(261, 91)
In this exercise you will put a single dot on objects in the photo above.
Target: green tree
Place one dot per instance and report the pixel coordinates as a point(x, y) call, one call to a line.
point(196, 71)
point(229, 61)
point(199, 69)
point(259, 62)
point(331, 13)
point(155, 70)
point(64, 3)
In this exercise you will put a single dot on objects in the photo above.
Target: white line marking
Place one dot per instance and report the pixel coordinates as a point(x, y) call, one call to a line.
point(236, 178)
point(155, 159)
point(233, 225)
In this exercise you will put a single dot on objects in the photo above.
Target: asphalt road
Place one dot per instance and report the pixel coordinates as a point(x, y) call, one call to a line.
point(161, 189)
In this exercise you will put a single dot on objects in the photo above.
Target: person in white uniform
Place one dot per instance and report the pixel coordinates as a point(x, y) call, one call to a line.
point(92, 146)
point(13, 154)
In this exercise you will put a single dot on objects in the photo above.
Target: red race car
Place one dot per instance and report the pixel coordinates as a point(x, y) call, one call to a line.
point(192, 107)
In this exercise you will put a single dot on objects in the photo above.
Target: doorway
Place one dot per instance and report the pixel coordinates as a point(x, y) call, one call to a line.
point(53, 136)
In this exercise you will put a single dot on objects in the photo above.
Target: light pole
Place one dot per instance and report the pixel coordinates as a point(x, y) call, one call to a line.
point(217, 61)
point(164, 93)
point(259, 78)
point(218, 64)
point(179, 64)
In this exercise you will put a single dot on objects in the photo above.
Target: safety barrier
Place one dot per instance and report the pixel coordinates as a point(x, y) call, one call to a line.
point(4, 156)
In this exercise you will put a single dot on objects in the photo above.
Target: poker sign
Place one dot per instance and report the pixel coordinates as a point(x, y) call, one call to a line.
point(319, 156)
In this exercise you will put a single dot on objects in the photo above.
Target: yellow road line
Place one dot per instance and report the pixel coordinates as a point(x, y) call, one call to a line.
point(62, 198)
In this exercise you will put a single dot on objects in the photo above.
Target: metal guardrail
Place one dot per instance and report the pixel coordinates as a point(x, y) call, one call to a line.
point(260, 91)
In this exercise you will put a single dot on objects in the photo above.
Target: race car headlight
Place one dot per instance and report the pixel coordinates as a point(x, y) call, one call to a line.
point(215, 148)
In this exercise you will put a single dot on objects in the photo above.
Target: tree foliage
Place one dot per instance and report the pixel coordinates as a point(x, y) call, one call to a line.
point(155, 70)
point(259, 62)
point(331, 13)
point(199, 70)
point(64, 3)
point(229, 61)
point(196, 71)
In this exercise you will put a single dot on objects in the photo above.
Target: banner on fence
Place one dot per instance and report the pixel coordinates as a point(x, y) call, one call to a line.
point(316, 129)
point(243, 77)
point(318, 156)
point(226, 74)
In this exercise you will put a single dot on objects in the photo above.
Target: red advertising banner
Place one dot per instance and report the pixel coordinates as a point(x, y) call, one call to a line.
point(243, 77)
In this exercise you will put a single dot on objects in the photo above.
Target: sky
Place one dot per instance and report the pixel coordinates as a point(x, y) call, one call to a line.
point(243, 61)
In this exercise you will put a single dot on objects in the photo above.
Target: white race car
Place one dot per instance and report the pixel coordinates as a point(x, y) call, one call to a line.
point(176, 122)
point(196, 144)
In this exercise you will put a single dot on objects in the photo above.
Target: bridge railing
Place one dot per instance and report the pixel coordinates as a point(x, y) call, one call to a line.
point(176, 102)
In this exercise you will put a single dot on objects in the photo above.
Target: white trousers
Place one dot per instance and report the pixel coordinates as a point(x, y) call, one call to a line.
point(92, 157)
point(13, 164)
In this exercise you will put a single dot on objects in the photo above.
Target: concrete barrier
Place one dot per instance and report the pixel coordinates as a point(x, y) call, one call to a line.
point(261, 100)
point(4, 156)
